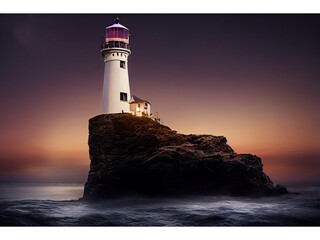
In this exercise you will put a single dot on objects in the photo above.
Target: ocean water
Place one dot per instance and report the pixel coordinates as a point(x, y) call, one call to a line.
point(57, 205)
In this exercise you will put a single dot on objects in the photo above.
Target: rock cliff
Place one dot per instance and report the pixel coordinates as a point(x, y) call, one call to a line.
point(136, 155)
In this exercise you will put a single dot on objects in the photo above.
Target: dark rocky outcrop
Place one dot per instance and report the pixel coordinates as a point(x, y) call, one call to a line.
point(138, 155)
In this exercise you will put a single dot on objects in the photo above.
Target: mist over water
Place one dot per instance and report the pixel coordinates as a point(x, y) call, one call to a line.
point(41, 191)
point(57, 205)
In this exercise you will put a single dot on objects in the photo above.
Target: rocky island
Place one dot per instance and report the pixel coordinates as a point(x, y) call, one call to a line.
point(137, 155)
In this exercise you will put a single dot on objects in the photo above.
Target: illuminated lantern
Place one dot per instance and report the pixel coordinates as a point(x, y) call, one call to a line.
point(116, 88)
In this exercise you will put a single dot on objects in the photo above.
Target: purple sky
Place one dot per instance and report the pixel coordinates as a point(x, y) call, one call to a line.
point(252, 78)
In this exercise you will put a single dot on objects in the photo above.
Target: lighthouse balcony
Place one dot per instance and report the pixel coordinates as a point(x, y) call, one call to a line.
point(114, 45)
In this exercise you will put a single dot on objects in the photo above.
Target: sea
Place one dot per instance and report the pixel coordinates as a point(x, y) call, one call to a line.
point(57, 204)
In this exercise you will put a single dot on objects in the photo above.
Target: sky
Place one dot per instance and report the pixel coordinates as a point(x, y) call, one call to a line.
point(251, 78)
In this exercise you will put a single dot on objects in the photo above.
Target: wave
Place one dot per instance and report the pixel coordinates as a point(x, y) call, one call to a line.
point(290, 210)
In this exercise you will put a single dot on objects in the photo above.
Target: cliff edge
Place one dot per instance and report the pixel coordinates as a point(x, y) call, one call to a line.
point(136, 155)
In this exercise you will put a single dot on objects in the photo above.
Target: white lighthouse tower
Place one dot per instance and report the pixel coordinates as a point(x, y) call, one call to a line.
point(116, 88)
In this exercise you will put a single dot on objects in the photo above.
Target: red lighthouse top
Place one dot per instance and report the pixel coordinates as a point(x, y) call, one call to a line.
point(117, 32)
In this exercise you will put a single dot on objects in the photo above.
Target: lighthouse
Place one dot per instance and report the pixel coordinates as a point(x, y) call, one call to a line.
point(116, 96)
point(115, 51)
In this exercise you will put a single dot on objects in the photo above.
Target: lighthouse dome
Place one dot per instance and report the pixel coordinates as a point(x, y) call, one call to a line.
point(117, 25)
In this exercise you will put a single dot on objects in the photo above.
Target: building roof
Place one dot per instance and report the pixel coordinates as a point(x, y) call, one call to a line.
point(135, 99)
point(117, 25)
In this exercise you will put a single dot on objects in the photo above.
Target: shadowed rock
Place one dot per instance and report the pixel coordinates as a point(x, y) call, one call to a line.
point(136, 155)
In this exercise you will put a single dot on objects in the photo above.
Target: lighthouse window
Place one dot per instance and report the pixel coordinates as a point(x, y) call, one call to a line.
point(123, 96)
point(123, 64)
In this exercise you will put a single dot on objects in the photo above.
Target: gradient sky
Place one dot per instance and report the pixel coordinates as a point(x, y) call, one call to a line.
point(252, 78)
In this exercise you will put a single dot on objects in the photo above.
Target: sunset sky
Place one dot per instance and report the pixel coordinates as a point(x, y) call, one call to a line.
point(254, 79)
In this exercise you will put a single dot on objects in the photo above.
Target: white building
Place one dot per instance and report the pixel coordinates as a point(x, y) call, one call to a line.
point(139, 107)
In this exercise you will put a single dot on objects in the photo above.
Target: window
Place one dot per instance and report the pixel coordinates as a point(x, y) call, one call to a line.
point(146, 106)
point(123, 96)
point(125, 34)
point(123, 64)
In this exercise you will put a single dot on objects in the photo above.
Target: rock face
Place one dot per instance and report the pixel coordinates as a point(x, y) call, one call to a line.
point(136, 155)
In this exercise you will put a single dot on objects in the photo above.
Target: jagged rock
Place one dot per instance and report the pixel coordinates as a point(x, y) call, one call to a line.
point(136, 155)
